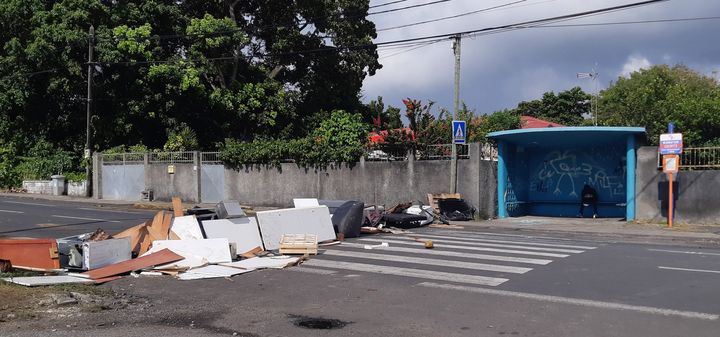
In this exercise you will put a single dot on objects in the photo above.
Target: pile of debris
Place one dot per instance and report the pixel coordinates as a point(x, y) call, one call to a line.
point(228, 244)
point(210, 243)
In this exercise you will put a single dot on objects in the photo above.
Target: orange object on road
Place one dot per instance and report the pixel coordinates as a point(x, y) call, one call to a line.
point(30, 253)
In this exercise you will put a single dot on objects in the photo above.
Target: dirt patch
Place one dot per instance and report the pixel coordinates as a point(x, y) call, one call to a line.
point(23, 303)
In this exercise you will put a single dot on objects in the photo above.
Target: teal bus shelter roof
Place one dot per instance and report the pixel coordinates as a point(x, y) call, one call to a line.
point(561, 136)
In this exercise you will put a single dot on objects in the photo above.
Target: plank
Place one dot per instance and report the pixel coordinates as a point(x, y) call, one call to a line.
point(243, 232)
point(36, 281)
point(187, 228)
point(177, 207)
point(213, 250)
point(162, 257)
point(33, 253)
point(309, 220)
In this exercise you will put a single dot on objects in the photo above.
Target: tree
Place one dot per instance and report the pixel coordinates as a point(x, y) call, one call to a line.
point(567, 107)
point(380, 117)
point(227, 68)
point(653, 97)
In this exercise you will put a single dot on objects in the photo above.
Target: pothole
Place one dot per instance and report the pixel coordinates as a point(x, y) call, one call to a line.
point(318, 323)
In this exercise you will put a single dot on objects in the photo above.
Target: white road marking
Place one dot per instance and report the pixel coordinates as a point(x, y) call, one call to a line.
point(408, 272)
point(313, 270)
point(431, 262)
point(480, 234)
point(682, 252)
point(577, 301)
point(28, 203)
point(502, 241)
point(695, 270)
point(9, 211)
point(79, 218)
point(460, 241)
point(456, 254)
point(108, 210)
point(509, 251)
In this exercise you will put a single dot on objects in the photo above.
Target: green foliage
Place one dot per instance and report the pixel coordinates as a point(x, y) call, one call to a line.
point(181, 138)
point(44, 160)
point(75, 177)
point(238, 73)
point(339, 139)
point(653, 97)
point(566, 108)
point(382, 118)
point(8, 161)
point(499, 121)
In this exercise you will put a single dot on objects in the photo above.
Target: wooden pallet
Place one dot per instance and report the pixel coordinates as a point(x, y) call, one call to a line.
point(299, 244)
point(433, 199)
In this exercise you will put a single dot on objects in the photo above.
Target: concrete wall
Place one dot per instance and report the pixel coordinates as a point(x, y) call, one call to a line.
point(696, 193)
point(37, 186)
point(183, 183)
point(386, 183)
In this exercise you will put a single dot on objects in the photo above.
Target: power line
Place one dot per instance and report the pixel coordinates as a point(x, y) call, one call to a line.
point(408, 7)
point(450, 17)
point(629, 22)
point(387, 3)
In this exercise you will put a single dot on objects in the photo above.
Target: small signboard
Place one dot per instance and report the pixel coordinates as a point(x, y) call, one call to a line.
point(671, 163)
point(459, 129)
point(671, 143)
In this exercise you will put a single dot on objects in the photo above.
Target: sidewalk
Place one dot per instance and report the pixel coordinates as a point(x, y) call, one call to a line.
point(614, 227)
point(158, 205)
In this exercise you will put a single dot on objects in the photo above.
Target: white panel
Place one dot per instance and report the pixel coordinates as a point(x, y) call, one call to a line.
point(211, 272)
point(310, 220)
point(98, 254)
point(305, 202)
point(34, 281)
point(243, 232)
point(186, 228)
point(276, 262)
point(213, 250)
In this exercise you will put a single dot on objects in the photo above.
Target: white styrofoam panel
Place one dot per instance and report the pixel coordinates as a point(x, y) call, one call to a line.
point(35, 281)
point(213, 250)
point(305, 202)
point(275, 262)
point(212, 271)
point(309, 220)
point(98, 254)
point(186, 228)
point(243, 232)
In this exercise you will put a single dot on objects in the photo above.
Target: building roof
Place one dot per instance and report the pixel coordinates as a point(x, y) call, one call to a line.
point(529, 122)
point(563, 136)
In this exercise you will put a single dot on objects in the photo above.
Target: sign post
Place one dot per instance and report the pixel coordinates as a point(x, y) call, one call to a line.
point(458, 135)
point(671, 165)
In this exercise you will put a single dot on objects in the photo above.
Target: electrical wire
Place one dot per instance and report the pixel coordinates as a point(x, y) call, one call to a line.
point(451, 16)
point(408, 7)
point(387, 3)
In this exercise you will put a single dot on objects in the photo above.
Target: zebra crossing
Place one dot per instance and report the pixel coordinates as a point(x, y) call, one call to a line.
point(480, 259)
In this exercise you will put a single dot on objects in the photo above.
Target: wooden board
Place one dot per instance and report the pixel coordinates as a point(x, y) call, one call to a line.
point(162, 257)
point(177, 207)
point(187, 228)
point(213, 250)
point(36, 281)
point(32, 253)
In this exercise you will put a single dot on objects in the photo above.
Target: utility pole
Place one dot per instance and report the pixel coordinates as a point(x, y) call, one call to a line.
point(453, 164)
point(88, 153)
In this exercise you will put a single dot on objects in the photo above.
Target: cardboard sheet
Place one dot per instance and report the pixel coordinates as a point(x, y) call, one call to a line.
point(309, 220)
point(243, 232)
point(186, 228)
point(211, 272)
point(213, 250)
point(305, 202)
point(273, 262)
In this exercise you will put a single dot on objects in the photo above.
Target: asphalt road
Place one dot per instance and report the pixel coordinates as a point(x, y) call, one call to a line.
point(55, 219)
point(475, 282)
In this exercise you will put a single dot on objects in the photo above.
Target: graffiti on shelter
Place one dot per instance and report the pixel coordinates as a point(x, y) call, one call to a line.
point(565, 172)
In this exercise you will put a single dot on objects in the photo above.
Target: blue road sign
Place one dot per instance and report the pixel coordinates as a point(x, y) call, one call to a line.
point(459, 129)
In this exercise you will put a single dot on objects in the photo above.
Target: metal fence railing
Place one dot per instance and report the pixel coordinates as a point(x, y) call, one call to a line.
point(383, 152)
point(441, 152)
point(700, 158)
point(210, 158)
point(172, 157)
point(123, 158)
point(387, 153)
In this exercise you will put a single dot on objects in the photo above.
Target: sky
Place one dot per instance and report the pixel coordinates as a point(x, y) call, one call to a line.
point(500, 70)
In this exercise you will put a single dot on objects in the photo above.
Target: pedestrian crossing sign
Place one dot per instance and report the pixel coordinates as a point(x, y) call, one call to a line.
point(459, 129)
